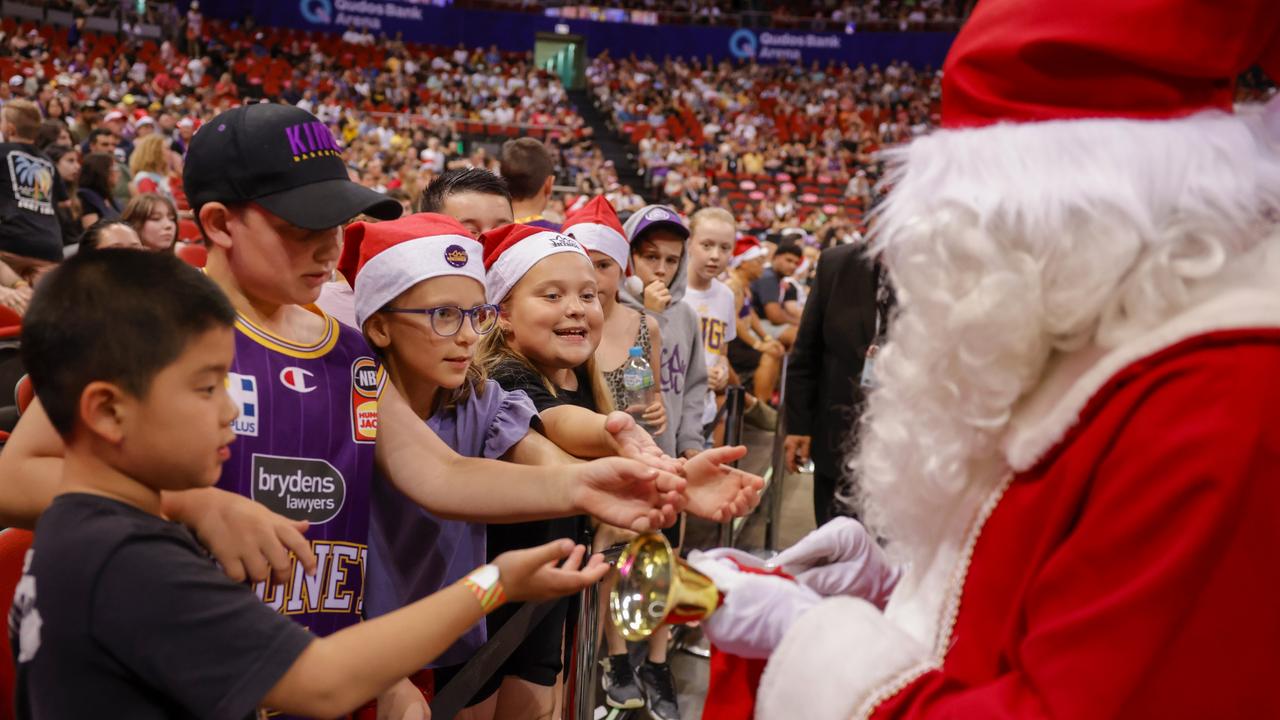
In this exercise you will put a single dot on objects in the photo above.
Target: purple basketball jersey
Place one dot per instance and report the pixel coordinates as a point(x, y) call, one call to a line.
point(304, 448)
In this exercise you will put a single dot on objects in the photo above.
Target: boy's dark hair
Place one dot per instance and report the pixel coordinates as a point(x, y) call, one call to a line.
point(98, 132)
point(788, 248)
point(114, 315)
point(525, 164)
point(92, 236)
point(455, 182)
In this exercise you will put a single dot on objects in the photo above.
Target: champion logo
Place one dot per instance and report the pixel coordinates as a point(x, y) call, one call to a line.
point(455, 255)
point(295, 378)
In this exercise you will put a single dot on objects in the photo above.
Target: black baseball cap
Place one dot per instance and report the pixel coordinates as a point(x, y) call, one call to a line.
point(282, 158)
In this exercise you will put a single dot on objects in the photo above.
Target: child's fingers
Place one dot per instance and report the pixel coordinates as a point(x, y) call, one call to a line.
point(575, 559)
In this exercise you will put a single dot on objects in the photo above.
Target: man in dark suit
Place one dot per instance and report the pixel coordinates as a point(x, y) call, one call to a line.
point(841, 320)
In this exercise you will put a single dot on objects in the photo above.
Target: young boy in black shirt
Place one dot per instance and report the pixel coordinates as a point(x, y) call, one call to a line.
point(122, 612)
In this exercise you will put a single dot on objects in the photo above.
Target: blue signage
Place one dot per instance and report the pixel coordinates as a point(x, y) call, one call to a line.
point(426, 21)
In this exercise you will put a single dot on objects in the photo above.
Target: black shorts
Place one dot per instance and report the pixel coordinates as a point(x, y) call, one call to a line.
point(743, 358)
point(539, 658)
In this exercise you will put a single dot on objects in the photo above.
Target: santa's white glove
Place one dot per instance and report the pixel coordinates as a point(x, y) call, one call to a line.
point(841, 558)
point(757, 609)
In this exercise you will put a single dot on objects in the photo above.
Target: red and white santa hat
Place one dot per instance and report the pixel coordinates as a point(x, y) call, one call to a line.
point(597, 227)
point(383, 259)
point(1053, 109)
point(746, 249)
point(512, 250)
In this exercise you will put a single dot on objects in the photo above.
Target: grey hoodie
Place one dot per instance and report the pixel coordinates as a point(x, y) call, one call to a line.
point(683, 371)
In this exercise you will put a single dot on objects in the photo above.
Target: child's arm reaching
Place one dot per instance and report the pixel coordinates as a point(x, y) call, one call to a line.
point(619, 491)
point(335, 675)
point(248, 540)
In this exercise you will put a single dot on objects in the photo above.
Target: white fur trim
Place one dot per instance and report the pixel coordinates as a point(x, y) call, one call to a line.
point(1036, 174)
point(747, 256)
point(833, 659)
point(1043, 419)
point(601, 238)
point(518, 259)
point(408, 263)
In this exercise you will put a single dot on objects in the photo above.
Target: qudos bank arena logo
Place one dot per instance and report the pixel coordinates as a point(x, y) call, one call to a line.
point(743, 44)
point(319, 12)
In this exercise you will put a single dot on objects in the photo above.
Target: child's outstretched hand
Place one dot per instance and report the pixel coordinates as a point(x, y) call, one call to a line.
point(533, 574)
point(717, 491)
point(632, 441)
point(626, 493)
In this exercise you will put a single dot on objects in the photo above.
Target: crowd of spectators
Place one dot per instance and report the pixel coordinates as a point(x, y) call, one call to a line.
point(405, 113)
point(780, 145)
point(822, 15)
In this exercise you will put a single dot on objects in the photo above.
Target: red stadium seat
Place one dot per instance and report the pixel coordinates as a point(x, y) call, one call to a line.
point(188, 231)
point(10, 323)
point(191, 253)
point(24, 393)
point(14, 544)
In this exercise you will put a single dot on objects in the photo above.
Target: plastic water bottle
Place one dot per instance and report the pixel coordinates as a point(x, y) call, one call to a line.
point(639, 389)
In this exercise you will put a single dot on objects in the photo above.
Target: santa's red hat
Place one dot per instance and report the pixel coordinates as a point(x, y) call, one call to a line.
point(1052, 110)
point(597, 227)
point(746, 249)
point(383, 259)
point(512, 250)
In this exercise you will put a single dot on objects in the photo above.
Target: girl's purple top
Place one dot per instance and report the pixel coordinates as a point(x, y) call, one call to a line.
point(413, 553)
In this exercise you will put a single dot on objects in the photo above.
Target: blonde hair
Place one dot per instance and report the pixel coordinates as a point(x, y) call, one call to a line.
point(150, 155)
point(495, 349)
point(710, 213)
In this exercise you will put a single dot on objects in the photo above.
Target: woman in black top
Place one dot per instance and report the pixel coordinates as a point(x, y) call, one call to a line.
point(98, 174)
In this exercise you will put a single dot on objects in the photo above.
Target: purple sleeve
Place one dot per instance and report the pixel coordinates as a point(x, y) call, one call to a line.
point(511, 413)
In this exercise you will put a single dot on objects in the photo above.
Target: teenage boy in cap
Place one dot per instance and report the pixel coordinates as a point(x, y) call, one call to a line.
point(657, 236)
point(270, 192)
point(129, 605)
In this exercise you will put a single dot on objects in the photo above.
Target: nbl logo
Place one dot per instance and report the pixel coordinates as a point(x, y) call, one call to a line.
point(366, 385)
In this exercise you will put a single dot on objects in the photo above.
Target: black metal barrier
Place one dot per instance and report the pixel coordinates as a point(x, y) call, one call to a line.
point(580, 677)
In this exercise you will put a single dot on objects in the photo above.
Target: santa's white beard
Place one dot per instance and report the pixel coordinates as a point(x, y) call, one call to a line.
point(998, 271)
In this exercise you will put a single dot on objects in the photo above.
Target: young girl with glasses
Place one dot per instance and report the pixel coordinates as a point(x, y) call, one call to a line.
point(419, 298)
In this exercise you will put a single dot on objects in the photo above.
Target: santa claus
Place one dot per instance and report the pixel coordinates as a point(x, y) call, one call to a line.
point(1074, 449)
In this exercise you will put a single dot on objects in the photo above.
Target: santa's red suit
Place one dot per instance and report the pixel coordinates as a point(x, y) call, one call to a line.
point(1112, 553)
point(1130, 572)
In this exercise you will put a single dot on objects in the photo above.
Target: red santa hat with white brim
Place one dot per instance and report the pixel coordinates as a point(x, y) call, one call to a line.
point(1055, 109)
point(597, 227)
point(383, 259)
point(511, 251)
point(746, 249)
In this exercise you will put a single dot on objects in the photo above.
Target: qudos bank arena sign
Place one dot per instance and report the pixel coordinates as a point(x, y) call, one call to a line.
point(746, 44)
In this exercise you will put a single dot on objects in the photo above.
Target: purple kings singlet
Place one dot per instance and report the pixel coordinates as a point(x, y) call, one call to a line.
point(304, 448)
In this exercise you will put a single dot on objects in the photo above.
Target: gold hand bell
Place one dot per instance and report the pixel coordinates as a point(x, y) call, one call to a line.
point(655, 587)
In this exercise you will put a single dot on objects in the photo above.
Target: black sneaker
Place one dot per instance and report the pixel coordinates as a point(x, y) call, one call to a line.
point(659, 691)
point(619, 680)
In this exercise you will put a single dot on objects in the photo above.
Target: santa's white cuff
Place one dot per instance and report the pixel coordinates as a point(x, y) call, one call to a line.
point(833, 661)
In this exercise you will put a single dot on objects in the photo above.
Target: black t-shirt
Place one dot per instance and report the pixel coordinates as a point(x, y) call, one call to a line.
point(120, 613)
point(513, 375)
point(28, 225)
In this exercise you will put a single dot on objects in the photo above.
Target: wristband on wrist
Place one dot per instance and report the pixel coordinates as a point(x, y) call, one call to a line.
point(485, 582)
